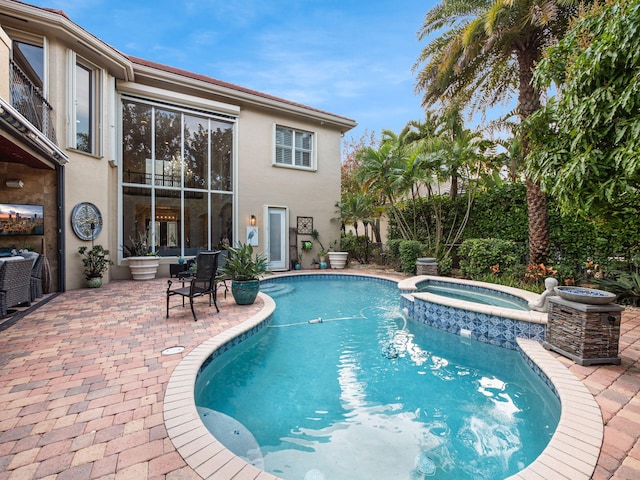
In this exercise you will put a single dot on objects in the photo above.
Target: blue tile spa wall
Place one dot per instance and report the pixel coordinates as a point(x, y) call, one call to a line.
point(485, 328)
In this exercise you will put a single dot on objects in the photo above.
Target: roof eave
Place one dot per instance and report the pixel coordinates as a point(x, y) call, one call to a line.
point(51, 21)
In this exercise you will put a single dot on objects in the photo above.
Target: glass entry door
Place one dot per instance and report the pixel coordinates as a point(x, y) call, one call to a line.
point(276, 233)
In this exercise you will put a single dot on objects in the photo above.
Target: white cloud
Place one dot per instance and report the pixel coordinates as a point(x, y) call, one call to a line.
point(341, 56)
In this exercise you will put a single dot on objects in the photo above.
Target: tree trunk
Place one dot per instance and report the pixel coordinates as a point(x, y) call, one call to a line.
point(538, 223)
point(453, 193)
point(376, 230)
point(528, 103)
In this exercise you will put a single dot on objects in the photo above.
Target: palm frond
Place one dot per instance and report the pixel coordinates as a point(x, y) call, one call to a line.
point(473, 46)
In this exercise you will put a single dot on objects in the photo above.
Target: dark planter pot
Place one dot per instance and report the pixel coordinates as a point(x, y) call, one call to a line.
point(245, 292)
point(94, 281)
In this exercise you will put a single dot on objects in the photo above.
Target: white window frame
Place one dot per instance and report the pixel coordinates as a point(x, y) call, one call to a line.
point(97, 74)
point(313, 166)
point(24, 37)
point(161, 101)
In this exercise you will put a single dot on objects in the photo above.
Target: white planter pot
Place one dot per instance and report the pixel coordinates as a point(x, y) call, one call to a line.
point(337, 259)
point(143, 268)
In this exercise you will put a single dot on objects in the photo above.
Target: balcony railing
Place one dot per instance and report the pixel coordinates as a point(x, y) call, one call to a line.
point(29, 101)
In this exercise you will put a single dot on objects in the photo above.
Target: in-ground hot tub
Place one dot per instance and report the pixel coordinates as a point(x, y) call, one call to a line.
point(486, 312)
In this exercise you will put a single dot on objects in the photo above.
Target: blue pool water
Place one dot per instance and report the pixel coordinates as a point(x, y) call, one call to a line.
point(474, 294)
point(342, 386)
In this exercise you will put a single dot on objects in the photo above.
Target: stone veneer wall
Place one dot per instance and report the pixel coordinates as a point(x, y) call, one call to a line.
point(40, 188)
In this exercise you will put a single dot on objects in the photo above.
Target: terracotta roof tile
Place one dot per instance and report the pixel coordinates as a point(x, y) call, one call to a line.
point(46, 9)
point(220, 83)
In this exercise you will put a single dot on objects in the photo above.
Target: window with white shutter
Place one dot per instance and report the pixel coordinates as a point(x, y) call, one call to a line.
point(294, 148)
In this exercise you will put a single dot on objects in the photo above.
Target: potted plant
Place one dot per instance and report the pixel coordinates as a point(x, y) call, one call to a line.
point(322, 253)
point(296, 263)
point(306, 246)
point(337, 260)
point(244, 268)
point(95, 262)
point(143, 262)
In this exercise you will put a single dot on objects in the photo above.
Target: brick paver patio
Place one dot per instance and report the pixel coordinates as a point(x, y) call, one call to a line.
point(82, 381)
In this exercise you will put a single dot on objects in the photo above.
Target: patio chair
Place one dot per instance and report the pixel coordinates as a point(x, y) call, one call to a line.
point(202, 283)
point(36, 278)
point(222, 261)
point(15, 283)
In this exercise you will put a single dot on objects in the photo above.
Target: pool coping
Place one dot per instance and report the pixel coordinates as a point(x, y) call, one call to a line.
point(572, 452)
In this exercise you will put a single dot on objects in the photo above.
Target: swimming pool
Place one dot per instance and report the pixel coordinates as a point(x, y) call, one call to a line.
point(349, 385)
point(572, 452)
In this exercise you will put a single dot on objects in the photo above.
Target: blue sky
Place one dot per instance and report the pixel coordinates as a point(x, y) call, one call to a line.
point(349, 57)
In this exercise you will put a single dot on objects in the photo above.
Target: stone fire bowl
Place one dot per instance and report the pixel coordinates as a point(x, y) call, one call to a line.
point(590, 296)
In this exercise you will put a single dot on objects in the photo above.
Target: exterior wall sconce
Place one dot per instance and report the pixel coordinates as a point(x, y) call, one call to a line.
point(14, 183)
point(252, 221)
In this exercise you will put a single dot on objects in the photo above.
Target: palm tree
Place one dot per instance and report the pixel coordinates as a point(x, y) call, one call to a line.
point(355, 208)
point(382, 174)
point(484, 50)
point(422, 145)
point(462, 161)
point(463, 149)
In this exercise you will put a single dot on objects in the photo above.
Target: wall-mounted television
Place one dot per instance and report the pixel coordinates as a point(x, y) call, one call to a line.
point(21, 219)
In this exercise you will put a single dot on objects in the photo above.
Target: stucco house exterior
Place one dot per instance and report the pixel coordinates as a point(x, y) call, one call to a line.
point(115, 147)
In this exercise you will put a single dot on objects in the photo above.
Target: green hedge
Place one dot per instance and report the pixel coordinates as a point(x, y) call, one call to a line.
point(478, 255)
point(502, 213)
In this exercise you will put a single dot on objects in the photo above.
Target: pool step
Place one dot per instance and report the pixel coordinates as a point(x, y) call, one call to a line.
point(233, 435)
point(276, 289)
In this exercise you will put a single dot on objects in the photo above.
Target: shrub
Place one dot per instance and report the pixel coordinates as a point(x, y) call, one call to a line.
point(347, 243)
point(479, 255)
point(393, 252)
point(625, 284)
point(511, 279)
point(361, 249)
point(375, 253)
point(567, 274)
point(539, 272)
point(410, 250)
point(445, 265)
